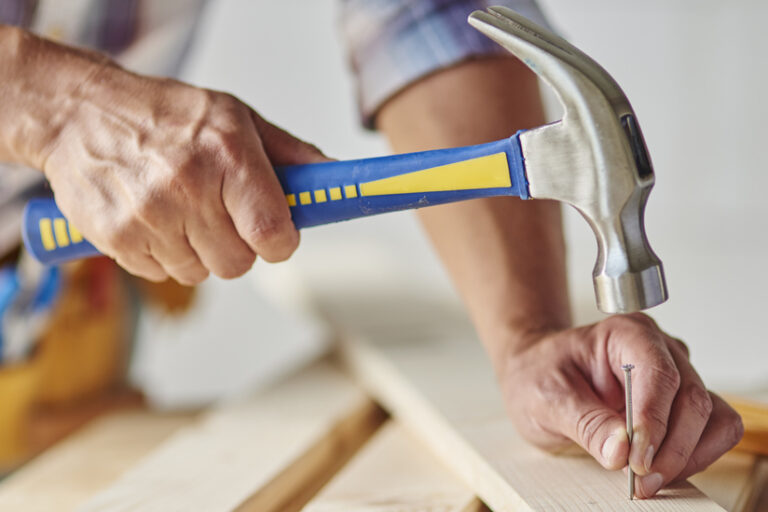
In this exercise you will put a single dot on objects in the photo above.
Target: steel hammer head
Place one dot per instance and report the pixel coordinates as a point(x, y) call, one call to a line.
point(594, 159)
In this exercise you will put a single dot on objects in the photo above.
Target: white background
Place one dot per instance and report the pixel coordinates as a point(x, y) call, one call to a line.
point(695, 72)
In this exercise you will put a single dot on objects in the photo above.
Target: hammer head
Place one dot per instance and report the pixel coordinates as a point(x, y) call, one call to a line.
point(594, 159)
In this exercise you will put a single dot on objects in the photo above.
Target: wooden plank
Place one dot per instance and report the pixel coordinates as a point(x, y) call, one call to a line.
point(256, 454)
point(65, 476)
point(754, 414)
point(729, 481)
point(394, 473)
point(754, 496)
point(435, 378)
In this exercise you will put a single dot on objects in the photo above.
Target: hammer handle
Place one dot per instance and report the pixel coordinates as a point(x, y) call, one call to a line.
point(329, 192)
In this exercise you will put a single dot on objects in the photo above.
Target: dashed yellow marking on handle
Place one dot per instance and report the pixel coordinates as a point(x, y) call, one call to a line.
point(46, 234)
point(75, 235)
point(320, 196)
point(335, 193)
point(350, 191)
point(291, 198)
point(60, 230)
point(305, 198)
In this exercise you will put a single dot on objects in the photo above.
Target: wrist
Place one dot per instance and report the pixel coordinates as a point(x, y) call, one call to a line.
point(39, 92)
point(505, 341)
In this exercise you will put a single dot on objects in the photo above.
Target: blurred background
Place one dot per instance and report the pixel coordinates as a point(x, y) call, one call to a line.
point(695, 72)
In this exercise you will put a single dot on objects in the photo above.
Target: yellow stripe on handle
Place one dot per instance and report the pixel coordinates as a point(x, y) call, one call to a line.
point(46, 234)
point(60, 230)
point(490, 171)
point(75, 234)
point(350, 191)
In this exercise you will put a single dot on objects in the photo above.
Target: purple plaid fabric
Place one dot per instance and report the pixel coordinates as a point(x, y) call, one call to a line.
point(111, 25)
point(392, 43)
point(116, 27)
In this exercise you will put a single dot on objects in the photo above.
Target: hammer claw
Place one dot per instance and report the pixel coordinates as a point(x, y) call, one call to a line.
point(594, 159)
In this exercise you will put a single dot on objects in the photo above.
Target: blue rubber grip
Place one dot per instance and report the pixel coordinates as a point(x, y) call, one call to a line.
point(329, 192)
point(49, 237)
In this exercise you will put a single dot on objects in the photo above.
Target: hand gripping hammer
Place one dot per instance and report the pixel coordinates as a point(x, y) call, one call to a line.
point(594, 159)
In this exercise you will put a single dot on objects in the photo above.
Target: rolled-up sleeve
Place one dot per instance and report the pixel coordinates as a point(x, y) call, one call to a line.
point(392, 43)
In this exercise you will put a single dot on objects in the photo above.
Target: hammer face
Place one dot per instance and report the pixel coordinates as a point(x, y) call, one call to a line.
point(594, 159)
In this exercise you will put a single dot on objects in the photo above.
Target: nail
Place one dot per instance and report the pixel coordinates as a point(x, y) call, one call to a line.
point(648, 459)
point(639, 451)
point(650, 484)
point(610, 450)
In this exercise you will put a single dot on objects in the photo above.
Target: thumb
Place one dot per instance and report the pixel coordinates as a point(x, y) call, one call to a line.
point(596, 427)
point(282, 148)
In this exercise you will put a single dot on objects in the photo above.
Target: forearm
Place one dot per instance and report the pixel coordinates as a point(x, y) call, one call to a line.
point(37, 92)
point(506, 256)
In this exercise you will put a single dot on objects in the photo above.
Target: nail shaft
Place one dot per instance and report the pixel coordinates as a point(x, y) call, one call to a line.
point(628, 406)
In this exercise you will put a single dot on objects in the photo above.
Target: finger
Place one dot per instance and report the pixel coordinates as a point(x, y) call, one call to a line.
point(258, 208)
point(724, 430)
point(636, 339)
point(282, 148)
point(220, 248)
point(688, 418)
point(143, 266)
point(179, 260)
point(585, 419)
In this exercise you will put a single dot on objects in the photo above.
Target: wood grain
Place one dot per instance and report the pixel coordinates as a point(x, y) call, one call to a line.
point(243, 454)
point(65, 476)
point(395, 473)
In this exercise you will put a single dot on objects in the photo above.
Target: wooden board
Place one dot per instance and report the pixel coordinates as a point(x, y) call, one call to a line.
point(754, 414)
point(435, 378)
point(393, 472)
point(63, 477)
point(729, 481)
point(264, 453)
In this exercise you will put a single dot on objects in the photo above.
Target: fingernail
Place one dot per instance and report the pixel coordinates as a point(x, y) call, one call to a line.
point(650, 484)
point(648, 459)
point(639, 451)
point(610, 450)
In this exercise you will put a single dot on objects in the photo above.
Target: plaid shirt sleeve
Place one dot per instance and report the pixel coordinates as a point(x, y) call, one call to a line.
point(392, 43)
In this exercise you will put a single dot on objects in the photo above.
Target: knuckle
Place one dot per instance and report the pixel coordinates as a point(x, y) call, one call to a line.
point(589, 425)
point(226, 100)
point(191, 181)
point(187, 184)
point(699, 400)
point(680, 344)
point(665, 375)
point(236, 267)
point(682, 453)
point(273, 231)
point(633, 324)
point(655, 418)
point(227, 144)
point(122, 235)
point(642, 320)
point(147, 209)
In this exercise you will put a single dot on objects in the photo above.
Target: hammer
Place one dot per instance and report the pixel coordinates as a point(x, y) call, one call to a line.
point(594, 159)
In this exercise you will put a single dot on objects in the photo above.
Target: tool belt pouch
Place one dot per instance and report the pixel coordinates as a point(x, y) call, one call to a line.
point(81, 353)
